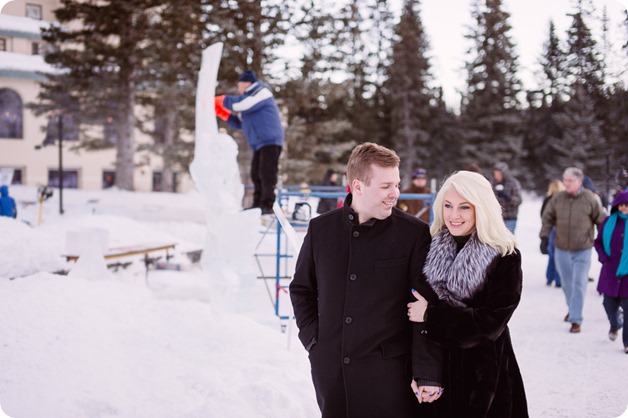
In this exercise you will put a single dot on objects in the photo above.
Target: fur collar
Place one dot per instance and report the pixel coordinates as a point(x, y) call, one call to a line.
point(456, 277)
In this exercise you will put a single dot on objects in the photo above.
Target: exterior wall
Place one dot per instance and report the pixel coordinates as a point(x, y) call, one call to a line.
point(36, 163)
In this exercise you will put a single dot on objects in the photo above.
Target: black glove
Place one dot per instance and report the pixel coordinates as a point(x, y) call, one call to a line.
point(544, 245)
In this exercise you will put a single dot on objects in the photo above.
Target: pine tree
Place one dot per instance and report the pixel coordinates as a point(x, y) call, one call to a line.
point(541, 128)
point(489, 111)
point(97, 82)
point(582, 144)
point(409, 92)
point(175, 41)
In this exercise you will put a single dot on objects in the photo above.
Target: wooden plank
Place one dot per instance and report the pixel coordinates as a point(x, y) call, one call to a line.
point(120, 252)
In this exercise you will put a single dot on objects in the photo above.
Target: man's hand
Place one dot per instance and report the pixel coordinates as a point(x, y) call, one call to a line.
point(544, 245)
point(426, 393)
point(416, 310)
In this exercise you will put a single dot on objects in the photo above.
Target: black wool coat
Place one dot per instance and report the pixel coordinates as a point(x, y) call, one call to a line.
point(482, 377)
point(349, 292)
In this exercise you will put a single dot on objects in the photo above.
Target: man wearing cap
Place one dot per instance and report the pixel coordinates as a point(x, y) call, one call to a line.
point(255, 112)
point(418, 207)
point(508, 192)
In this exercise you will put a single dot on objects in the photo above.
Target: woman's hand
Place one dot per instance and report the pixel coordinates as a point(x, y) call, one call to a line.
point(426, 393)
point(416, 310)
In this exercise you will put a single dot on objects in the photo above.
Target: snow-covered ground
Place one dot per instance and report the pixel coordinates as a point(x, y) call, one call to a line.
point(130, 346)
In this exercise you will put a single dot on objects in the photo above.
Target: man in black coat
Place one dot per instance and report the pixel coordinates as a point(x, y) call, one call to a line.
point(353, 279)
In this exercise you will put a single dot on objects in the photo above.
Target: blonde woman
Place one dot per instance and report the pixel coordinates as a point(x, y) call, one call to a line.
point(551, 274)
point(473, 282)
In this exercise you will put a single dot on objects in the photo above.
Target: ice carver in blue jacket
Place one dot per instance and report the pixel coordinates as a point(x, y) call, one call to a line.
point(256, 113)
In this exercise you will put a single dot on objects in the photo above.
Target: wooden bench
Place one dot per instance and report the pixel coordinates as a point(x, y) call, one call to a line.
point(116, 253)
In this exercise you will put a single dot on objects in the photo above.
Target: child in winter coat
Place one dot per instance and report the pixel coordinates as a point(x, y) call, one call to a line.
point(611, 245)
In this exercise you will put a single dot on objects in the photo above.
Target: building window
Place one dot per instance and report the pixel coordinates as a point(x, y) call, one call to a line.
point(35, 48)
point(3, 44)
point(110, 131)
point(158, 183)
point(33, 11)
point(70, 179)
point(11, 109)
point(10, 175)
point(108, 179)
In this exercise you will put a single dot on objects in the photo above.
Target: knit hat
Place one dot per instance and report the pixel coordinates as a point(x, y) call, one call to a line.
point(248, 76)
point(503, 167)
point(419, 173)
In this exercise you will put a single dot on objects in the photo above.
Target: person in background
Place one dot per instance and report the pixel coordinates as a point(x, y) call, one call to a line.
point(611, 245)
point(551, 274)
point(7, 203)
point(255, 112)
point(351, 284)
point(474, 274)
point(587, 183)
point(574, 213)
point(417, 207)
point(325, 204)
point(508, 192)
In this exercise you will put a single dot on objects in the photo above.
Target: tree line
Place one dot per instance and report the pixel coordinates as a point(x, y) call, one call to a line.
point(358, 73)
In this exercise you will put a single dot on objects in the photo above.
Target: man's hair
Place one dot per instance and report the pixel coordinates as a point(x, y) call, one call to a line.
point(365, 155)
point(574, 172)
point(477, 190)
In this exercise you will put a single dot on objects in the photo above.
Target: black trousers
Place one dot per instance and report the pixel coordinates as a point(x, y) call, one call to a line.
point(264, 168)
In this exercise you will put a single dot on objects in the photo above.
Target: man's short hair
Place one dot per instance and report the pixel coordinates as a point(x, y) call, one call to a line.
point(574, 172)
point(365, 155)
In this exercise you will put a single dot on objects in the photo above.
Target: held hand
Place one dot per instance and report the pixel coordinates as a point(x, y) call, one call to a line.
point(544, 245)
point(416, 310)
point(426, 393)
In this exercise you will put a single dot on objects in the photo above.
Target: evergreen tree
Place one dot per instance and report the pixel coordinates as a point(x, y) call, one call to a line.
point(584, 67)
point(582, 144)
point(409, 93)
point(541, 128)
point(175, 41)
point(98, 62)
point(489, 111)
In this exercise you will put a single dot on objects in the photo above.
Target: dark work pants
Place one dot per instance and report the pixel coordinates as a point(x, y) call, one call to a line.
point(264, 169)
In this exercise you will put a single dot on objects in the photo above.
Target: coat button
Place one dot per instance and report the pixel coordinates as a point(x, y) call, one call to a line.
point(346, 360)
point(351, 217)
point(356, 234)
point(348, 320)
point(353, 277)
point(423, 331)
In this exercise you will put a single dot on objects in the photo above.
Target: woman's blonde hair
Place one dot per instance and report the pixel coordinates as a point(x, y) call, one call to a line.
point(489, 224)
point(554, 187)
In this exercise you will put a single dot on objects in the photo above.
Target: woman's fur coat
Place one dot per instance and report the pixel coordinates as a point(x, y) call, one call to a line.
point(472, 294)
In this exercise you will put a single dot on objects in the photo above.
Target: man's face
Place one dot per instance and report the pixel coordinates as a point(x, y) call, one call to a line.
point(572, 184)
point(376, 199)
point(498, 176)
point(419, 181)
point(242, 86)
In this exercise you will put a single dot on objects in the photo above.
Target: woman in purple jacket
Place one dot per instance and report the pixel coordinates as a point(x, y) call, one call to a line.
point(611, 245)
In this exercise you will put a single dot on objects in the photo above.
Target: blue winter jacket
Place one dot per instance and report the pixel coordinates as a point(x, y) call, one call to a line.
point(257, 115)
point(7, 203)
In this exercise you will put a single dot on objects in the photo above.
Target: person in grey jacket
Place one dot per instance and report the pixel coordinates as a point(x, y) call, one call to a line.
point(508, 192)
point(574, 212)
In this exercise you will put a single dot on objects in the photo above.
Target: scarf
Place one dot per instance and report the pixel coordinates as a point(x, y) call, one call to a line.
point(607, 234)
point(457, 276)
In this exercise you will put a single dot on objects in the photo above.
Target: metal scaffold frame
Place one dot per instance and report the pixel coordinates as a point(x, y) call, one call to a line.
point(293, 215)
